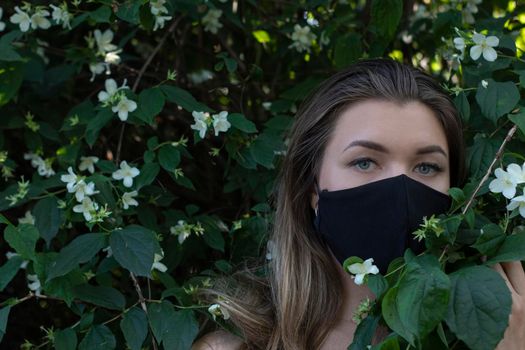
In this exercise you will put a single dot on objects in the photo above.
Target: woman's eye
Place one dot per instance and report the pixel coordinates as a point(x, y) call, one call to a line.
point(428, 168)
point(362, 164)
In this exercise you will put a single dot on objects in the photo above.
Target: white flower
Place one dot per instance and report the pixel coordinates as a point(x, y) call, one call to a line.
point(112, 57)
point(71, 179)
point(220, 122)
point(484, 45)
point(471, 5)
point(503, 183)
point(88, 163)
point(108, 251)
point(82, 190)
point(211, 21)
point(182, 230)
point(157, 264)
point(200, 76)
point(160, 21)
point(27, 218)
point(360, 270)
point(484, 83)
point(96, 68)
point(517, 172)
point(201, 122)
point(123, 107)
point(459, 44)
point(2, 24)
point(516, 202)
point(126, 173)
point(157, 7)
point(61, 14)
point(216, 311)
point(127, 199)
point(103, 41)
point(21, 18)
point(10, 255)
point(43, 166)
point(35, 284)
point(39, 19)
point(111, 89)
point(87, 208)
point(302, 38)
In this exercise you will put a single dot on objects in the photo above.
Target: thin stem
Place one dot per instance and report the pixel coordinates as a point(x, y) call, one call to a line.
point(489, 170)
point(142, 302)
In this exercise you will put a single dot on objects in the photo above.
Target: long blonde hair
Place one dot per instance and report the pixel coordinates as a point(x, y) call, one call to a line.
point(297, 304)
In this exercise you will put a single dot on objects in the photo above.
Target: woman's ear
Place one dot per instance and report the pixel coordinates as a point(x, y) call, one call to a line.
point(313, 200)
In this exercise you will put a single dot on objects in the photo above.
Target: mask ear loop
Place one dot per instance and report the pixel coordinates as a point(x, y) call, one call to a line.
point(317, 190)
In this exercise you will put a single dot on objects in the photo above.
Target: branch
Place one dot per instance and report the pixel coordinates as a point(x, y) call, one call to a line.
point(489, 170)
point(141, 74)
point(142, 302)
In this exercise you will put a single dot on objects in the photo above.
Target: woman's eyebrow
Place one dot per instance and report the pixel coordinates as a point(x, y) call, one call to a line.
point(380, 148)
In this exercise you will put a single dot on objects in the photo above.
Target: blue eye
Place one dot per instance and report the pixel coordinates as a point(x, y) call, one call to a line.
point(361, 163)
point(429, 167)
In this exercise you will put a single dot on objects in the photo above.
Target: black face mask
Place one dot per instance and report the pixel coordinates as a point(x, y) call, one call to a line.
point(376, 220)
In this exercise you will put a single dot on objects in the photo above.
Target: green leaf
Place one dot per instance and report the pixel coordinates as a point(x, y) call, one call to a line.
point(377, 284)
point(479, 307)
point(134, 248)
point(129, 11)
point(389, 309)
point(94, 126)
point(169, 157)
point(231, 64)
point(7, 50)
point(150, 104)
point(65, 339)
point(99, 337)
point(79, 251)
point(390, 343)
point(385, 17)
point(9, 270)
point(240, 122)
point(184, 99)
point(11, 77)
point(518, 119)
point(497, 98)
point(22, 239)
point(490, 239)
point(481, 154)
point(47, 218)
point(463, 106)
point(134, 326)
point(107, 297)
point(184, 329)
point(161, 318)
point(4, 315)
point(147, 175)
point(263, 149)
point(512, 249)
point(101, 15)
point(364, 333)
point(261, 36)
point(348, 49)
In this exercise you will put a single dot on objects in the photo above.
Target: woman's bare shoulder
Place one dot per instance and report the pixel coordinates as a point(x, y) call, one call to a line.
point(219, 340)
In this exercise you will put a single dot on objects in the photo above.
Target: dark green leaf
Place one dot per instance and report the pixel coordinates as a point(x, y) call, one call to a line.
point(519, 120)
point(47, 218)
point(348, 49)
point(7, 51)
point(389, 309)
point(9, 270)
point(150, 104)
point(101, 15)
point(107, 297)
point(364, 333)
point(80, 250)
point(134, 248)
point(481, 154)
point(385, 17)
point(479, 307)
point(240, 122)
point(184, 329)
point(463, 106)
point(147, 175)
point(512, 249)
point(497, 98)
point(129, 11)
point(99, 337)
point(489, 240)
point(11, 77)
point(169, 157)
point(22, 239)
point(134, 326)
point(65, 339)
point(161, 318)
point(94, 126)
point(4, 315)
point(184, 99)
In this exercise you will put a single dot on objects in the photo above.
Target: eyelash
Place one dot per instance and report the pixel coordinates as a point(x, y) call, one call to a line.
point(435, 167)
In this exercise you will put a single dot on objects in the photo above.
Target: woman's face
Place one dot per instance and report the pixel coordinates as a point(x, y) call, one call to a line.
point(374, 139)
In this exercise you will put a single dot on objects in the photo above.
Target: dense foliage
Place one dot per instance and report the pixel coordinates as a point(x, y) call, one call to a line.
point(140, 142)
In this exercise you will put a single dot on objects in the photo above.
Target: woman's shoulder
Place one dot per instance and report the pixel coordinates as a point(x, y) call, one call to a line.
point(219, 340)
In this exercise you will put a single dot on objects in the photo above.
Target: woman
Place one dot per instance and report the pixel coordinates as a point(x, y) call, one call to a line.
point(382, 141)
